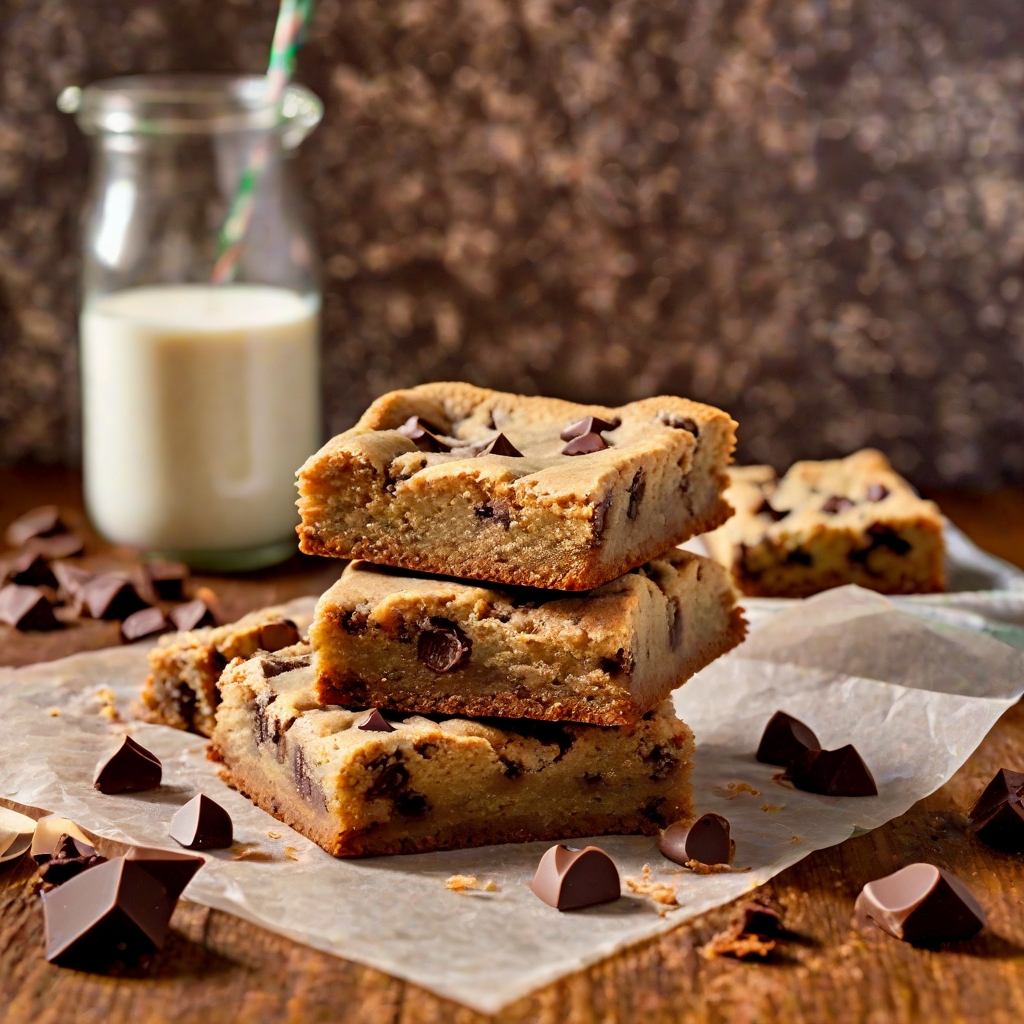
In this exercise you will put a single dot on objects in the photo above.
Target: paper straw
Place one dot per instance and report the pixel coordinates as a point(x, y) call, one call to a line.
point(289, 34)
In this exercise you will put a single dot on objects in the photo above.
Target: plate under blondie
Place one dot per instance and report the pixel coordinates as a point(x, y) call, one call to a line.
point(458, 480)
point(825, 524)
point(358, 785)
point(389, 638)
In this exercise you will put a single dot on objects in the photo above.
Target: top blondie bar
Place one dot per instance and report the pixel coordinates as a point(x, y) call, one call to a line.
point(462, 481)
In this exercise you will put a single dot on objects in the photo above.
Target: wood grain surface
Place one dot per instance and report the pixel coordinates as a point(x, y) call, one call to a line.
point(215, 967)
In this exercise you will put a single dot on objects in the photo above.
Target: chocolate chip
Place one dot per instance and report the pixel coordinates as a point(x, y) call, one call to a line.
point(26, 608)
point(70, 857)
point(423, 435)
point(765, 508)
point(706, 841)
point(920, 904)
point(664, 762)
point(598, 517)
point(836, 504)
point(653, 812)
point(585, 444)
point(636, 495)
point(393, 777)
point(997, 818)
point(275, 665)
point(799, 557)
point(501, 445)
point(876, 492)
point(784, 739)
point(192, 615)
point(497, 509)
point(587, 425)
point(202, 824)
point(412, 805)
point(756, 919)
point(166, 578)
point(147, 622)
point(130, 768)
point(308, 787)
point(71, 579)
point(37, 522)
point(883, 536)
point(109, 597)
point(680, 423)
point(278, 634)
point(833, 773)
point(569, 879)
point(443, 648)
point(375, 722)
point(172, 870)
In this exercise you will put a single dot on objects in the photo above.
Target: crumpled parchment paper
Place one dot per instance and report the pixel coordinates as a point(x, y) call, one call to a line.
point(914, 692)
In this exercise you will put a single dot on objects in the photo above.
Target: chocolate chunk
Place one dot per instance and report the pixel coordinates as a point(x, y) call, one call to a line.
point(276, 664)
point(497, 509)
point(28, 568)
point(706, 841)
point(38, 522)
point(680, 423)
point(784, 739)
point(146, 622)
point(61, 545)
point(756, 919)
point(443, 648)
point(70, 857)
point(171, 869)
point(585, 444)
point(636, 495)
point(110, 596)
point(26, 608)
point(883, 536)
point(71, 579)
point(765, 508)
point(587, 425)
point(424, 435)
point(166, 578)
point(202, 824)
point(998, 816)
point(876, 492)
point(192, 615)
point(49, 831)
point(391, 779)
point(833, 773)
point(131, 767)
point(569, 879)
point(836, 504)
point(375, 722)
point(921, 904)
point(115, 911)
point(279, 633)
point(501, 445)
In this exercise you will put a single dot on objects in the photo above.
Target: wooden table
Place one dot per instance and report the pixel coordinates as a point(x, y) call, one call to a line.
point(218, 968)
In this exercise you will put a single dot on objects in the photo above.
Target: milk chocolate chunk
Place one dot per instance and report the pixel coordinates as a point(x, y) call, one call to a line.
point(278, 634)
point(114, 912)
point(167, 578)
point(28, 568)
point(569, 879)
point(833, 773)
point(171, 869)
point(998, 816)
point(26, 608)
point(191, 616)
point(202, 824)
point(836, 504)
point(375, 722)
point(109, 596)
point(756, 919)
point(129, 768)
point(146, 622)
point(71, 579)
point(444, 647)
point(706, 841)
point(60, 545)
point(784, 739)
point(501, 445)
point(38, 522)
point(921, 904)
point(585, 444)
point(423, 435)
point(587, 425)
point(70, 857)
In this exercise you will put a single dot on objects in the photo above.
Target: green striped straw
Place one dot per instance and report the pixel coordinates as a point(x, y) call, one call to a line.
point(289, 35)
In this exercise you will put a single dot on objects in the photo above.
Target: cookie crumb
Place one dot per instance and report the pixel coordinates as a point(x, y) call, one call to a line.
point(461, 883)
point(769, 808)
point(734, 789)
point(660, 892)
point(713, 869)
point(291, 853)
point(273, 834)
point(53, 712)
point(109, 711)
point(740, 947)
point(105, 695)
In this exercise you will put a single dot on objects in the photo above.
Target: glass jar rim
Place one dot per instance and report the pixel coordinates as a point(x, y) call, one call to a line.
point(184, 104)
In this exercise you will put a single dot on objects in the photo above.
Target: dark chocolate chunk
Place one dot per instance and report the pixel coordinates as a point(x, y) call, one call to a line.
point(38, 522)
point(145, 622)
point(110, 596)
point(883, 536)
point(501, 445)
point(28, 568)
point(191, 615)
point(680, 423)
point(998, 816)
point(114, 912)
point(876, 492)
point(279, 633)
point(587, 425)
point(921, 904)
point(375, 722)
point(756, 919)
point(706, 841)
point(585, 444)
point(800, 557)
point(70, 857)
point(277, 664)
point(784, 739)
point(171, 869)
point(60, 545)
point(71, 579)
point(391, 779)
point(569, 879)
point(836, 504)
point(129, 768)
point(423, 435)
point(166, 578)
point(833, 773)
point(26, 608)
point(636, 495)
point(202, 824)
point(497, 509)
point(444, 647)
point(765, 508)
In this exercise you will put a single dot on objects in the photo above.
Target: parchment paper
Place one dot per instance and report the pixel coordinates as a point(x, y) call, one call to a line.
point(915, 694)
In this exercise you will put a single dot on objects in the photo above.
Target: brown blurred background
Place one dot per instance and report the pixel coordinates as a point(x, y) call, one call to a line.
point(809, 212)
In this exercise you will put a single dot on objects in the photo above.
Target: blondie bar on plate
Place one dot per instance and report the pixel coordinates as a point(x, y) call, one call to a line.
point(387, 638)
point(852, 520)
point(358, 784)
point(454, 479)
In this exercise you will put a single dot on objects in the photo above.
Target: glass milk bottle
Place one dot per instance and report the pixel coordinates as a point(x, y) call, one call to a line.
point(200, 371)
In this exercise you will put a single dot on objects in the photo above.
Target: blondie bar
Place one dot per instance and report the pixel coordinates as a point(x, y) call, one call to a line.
point(852, 520)
point(358, 784)
point(387, 638)
point(454, 479)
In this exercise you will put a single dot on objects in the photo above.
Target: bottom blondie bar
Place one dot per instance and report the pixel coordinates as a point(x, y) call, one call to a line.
point(437, 783)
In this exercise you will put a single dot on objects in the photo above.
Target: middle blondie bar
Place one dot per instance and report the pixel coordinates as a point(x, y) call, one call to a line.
point(434, 645)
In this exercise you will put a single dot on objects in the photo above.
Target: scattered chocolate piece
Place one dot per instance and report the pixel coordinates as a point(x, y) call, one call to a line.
point(920, 904)
point(585, 444)
point(375, 722)
point(202, 824)
point(569, 879)
point(501, 445)
point(876, 492)
point(192, 615)
point(71, 579)
point(61, 545)
point(171, 869)
point(444, 647)
point(37, 522)
point(784, 739)
point(998, 816)
point(755, 918)
point(146, 622)
point(706, 841)
point(587, 425)
point(109, 596)
point(70, 857)
point(833, 773)
point(278, 634)
point(424, 435)
point(129, 768)
point(28, 568)
point(26, 608)
point(836, 504)
point(166, 578)
point(115, 911)
point(48, 833)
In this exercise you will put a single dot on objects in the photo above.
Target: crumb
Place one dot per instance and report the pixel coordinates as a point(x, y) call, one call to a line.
point(291, 853)
point(768, 808)
point(109, 711)
point(273, 834)
point(741, 946)
point(712, 869)
point(796, 840)
point(105, 695)
point(734, 789)
point(53, 712)
point(252, 854)
point(461, 883)
point(660, 892)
